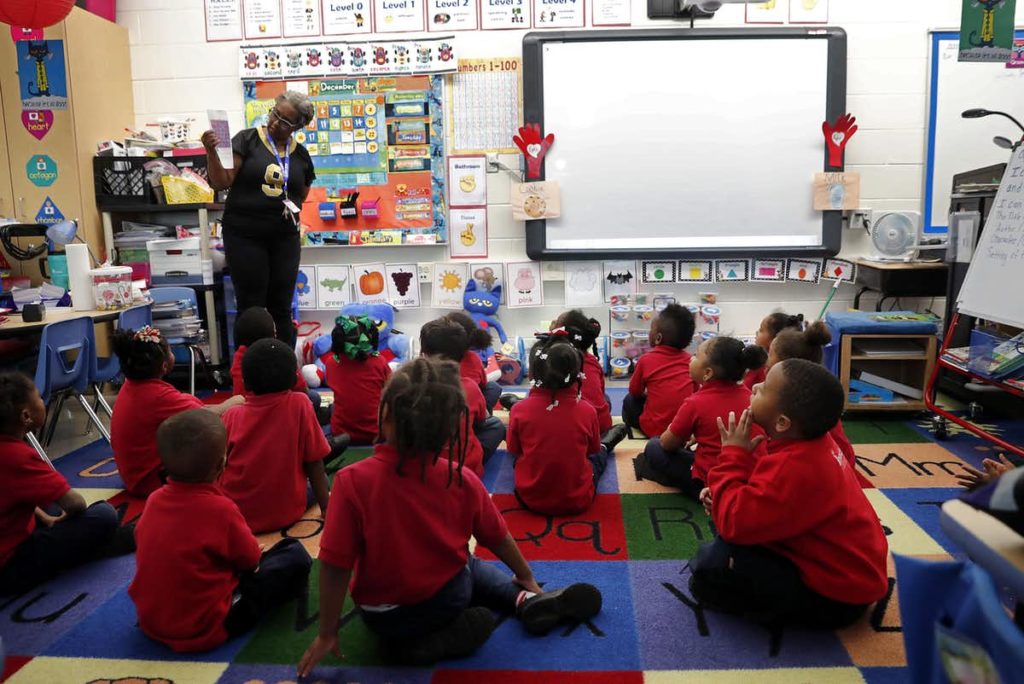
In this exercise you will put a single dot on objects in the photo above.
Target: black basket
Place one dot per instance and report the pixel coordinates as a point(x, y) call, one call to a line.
point(121, 181)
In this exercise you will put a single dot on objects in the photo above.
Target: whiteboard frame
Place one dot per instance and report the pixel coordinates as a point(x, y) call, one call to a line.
point(835, 106)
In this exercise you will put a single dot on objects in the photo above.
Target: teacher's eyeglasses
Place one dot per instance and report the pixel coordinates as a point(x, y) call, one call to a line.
point(283, 121)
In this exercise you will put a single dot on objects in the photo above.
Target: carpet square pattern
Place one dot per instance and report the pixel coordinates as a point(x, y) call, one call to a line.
point(634, 544)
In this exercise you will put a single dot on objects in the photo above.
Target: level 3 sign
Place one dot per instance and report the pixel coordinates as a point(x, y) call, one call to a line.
point(41, 170)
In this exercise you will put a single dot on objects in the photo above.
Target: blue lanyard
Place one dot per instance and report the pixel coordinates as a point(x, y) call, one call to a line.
point(283, 164)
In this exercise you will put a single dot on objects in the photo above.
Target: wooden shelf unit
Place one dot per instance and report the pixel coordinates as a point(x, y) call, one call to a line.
point(913, 369)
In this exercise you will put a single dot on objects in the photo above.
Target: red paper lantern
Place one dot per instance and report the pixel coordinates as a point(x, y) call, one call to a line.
point(34, 13)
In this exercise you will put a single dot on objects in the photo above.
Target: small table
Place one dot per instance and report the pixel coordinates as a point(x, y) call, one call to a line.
point(900, 279)
point(15, 327)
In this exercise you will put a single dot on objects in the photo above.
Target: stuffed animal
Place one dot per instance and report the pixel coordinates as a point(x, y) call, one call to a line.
point(394, 346)
point(482, 306)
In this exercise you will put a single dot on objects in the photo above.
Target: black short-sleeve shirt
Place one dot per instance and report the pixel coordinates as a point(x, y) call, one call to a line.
point(256, 200)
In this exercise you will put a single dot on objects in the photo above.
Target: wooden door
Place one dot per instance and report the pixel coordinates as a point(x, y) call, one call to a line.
point(6, 193)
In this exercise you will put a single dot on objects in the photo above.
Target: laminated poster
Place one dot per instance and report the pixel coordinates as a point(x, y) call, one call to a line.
point(334, 286)
point(611, 12)
point(770, 12)
point(583, 283)
point(300, 18)
point(262, 18)
point(452, 15)
point(398, 16)
point(305, 287)
point(41, 74)
point(505, 14)
point(448, 285)
point(467, 180)
point(527, 284)
point(768, 270)
point(489, 275)
point(559, 13)
point(370, 283)
point(803, 271)
point(223, 20)
point(620, 278)
point(986, 30)
point(468, 230)
point(403, 285)
point(341, 17)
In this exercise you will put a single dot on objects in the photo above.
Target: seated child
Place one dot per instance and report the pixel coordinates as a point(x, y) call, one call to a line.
point(717, 370)
point(356, 373)
point(771, 325)
point(144, 402)
point(33, 553)
point(445, 340)
point(661, 380)
point(398, 528)
point(553, 434)
point(274, 443)
point(798, 542)
point(253, 324)
point(471, 365)
point(200, 578)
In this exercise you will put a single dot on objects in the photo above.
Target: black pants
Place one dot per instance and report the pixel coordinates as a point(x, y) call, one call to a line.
point(264, 270)
point(282, 575)
point(49, 551)
point(632, 409)
point(764, 586)
point(669, 468)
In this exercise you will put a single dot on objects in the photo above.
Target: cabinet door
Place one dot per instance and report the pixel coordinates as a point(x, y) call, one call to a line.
point(6, 193)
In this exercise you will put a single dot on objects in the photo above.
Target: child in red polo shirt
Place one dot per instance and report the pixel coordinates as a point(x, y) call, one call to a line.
point(253, 324)
point(553, 434)
point(32, 553)
point(471, 365)
point(661, 380)
point(274, 443)
point(798, 542)
point(200, 578)
point(144, 402)
point(717, 370)
point(356, 374)
point(446, 340)
point(771, 325)
point(398, 529)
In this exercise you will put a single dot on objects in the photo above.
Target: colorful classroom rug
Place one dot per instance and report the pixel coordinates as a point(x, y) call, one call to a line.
point(633, 545)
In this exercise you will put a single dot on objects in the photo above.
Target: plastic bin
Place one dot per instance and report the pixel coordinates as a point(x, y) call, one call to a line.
point(982, 358)
point(122, 180)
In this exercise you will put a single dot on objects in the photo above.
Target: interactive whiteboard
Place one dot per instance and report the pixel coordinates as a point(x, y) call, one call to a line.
point(691, 142)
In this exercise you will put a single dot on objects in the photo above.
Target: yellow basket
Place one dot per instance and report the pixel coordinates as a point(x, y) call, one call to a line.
point(179, 190)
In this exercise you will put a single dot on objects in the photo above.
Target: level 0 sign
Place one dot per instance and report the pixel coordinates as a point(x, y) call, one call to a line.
point(41, 170)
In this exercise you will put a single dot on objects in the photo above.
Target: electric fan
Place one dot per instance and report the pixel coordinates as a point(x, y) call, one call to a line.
point(895, 236)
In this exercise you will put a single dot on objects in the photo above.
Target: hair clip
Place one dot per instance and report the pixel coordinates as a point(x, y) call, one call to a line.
point(552, 405)
point(148, 334)
point(536, 383)
point(542, 355)
point(578, 338)
point(559, 332)
point(568, 377)
point(582, 376)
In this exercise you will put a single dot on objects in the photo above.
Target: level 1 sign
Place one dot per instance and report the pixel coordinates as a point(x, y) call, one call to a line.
point(41, 170)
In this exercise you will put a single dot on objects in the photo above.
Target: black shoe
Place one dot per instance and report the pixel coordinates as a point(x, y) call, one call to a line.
point(458, 639)
point(576, 602)
point(616, 434)
point(507, 401)
point(338, 445)
point(323, 414)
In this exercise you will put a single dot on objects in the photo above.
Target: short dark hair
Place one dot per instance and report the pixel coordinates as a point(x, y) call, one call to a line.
point(730, 359)
point(583, 330)
point(255, 323)
point(778, 321)
point(811, 397)
point(676, 325)
point(808, 344)
point(478, 337)
point(445, 338)
point(191, 445)
point(269, 366)
point(140, 359)
point(15, 392)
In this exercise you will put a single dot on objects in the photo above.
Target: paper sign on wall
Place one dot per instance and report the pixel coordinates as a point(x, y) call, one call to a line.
point(41, 74)
point(840, 269)
point(262, 18)
point(834, 191)
point(658, 271)
point(537, 200)
point(369, 283)
point(403, 285)
point(398, 16)
point(48, 213)
point(467, 181)
point(448, 285)
point(808, 11)
point(467, 232)
point(305, 287)
point(223, 20)
point(768, 270)
point(37, 122)
point(41, 170)
point(559, 13)
point(452, 15)
point(611, 13)
point(300, 18)
point(346, 16)
point(489, 276)
point(732, 271)
point(583, 285)
point(619, 278)
point(770, 12)
point(333, 286)
point(502, 14)
point(527, 284)
point(694, 272)
point(803, 271)
point(986, 30)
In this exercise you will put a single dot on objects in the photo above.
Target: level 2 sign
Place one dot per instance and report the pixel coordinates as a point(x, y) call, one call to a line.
point(41, 170)
point(49, 214)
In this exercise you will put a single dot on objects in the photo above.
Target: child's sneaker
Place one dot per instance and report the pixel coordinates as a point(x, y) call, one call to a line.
point(458, 639)
point(576, 602)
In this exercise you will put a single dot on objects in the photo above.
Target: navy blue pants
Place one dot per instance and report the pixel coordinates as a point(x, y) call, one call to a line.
point(490, 432)
point(491, 393)
point(669, 468)
point(283, 574)
point(632, 409)
point(477, 584)
point(49, 551)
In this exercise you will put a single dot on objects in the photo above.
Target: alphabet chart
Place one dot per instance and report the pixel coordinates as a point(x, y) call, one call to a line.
point(484, 106)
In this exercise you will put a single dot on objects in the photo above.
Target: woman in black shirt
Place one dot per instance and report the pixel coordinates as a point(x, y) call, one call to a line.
point(269, 182)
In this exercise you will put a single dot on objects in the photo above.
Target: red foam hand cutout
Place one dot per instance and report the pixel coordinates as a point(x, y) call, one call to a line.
point(534, 147)
point(837, 136)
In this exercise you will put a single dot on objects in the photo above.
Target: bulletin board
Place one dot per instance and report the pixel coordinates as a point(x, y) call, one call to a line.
point(685, 142)
point(381, 137)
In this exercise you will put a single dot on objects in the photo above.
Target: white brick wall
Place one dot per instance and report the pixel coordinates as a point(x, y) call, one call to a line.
point(177, 73)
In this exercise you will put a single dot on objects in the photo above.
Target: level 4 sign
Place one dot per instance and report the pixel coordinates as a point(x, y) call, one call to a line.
point(41, 170)
point(49, 214)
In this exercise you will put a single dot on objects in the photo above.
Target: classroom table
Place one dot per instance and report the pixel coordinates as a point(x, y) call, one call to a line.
point(900, 279)
point(15, 327)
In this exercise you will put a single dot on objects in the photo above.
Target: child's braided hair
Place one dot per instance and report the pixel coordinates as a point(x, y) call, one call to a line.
point(425, 401)
point(583, 331)
point(555, 364)
point(142, 352)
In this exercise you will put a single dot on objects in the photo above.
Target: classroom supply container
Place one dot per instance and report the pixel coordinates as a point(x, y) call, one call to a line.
point(112, 287)
point(620, 313)
point(620, 367)
point(176, 262)
point(620, 340)
point(643, 313)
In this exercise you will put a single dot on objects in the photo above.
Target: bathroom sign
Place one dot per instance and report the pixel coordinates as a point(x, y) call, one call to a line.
point(41, 170)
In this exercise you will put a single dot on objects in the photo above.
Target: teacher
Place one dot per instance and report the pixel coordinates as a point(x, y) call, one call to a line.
point(268, 184)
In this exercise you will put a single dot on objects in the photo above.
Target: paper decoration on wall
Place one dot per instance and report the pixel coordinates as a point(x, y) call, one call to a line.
point(658, 271)
point(533, 147)
point(398, 16)
point(537, 200)
point(41, 74)
point(25, 33)
point(449, 15)
point(559, 14)
point(770, 12)
point(468, 237)
point(340, 18)
point(836, 191)
point(370, 283)
point(620, 278)
point(503, 14)
point(986, 30)
point(732, 271)
point(300, 18)
point(485, 105)
point(552, 271)
point(583, 283)
point(1017, 60)
point(49, 213)
point(839, 269)
point(803, 270)
point(708, 298)
point(38, 122)
point(305, 287)
point(262, 18)
point(837, 136)
point(694, 272)
point(223, 20)
point(611, 13)
point(403, 285)
point(769, 270)
point(333, 286)
point(448, 285)
point(467, 180)
point(339, 58)
point(808, 11)
point(41, 170)
point(489, 276)
point(527, 285)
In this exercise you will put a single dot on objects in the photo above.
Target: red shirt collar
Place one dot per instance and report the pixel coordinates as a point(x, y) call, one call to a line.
point(571, 392)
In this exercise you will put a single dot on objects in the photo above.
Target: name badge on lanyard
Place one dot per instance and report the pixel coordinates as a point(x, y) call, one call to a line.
point(291, 210)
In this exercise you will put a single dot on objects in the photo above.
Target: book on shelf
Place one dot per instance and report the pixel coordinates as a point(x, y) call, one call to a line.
point(892, 385)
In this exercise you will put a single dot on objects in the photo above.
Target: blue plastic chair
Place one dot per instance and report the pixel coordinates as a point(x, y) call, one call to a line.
point(66, 350)
point(107, 369)
point(162, 295)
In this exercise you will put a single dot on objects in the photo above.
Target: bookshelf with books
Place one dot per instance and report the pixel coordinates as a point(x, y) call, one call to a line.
point(883, 372)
